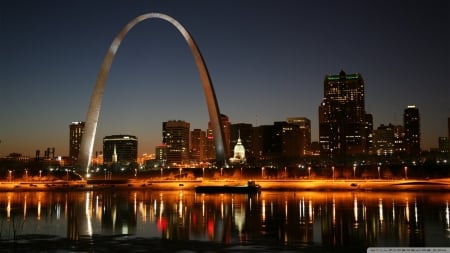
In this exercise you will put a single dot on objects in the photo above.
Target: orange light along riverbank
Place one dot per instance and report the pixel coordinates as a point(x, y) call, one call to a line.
point(266, 185)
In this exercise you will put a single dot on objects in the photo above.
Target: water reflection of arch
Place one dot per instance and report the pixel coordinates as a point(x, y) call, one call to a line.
point(87, 143)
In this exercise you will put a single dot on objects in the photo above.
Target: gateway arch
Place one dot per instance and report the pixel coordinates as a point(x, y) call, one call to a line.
point(87, 142)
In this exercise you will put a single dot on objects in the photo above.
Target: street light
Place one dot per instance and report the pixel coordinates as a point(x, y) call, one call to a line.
point(10, 175)
point(161, 172)
point(262, 172)
point(40, 175)
point(354, 170)
point(379, 172)
point(309, 172)
point(26, 175)
point(203, 172)
point(406, 172)
point(332, 168)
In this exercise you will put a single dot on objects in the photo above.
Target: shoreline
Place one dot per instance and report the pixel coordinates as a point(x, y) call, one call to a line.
point(437, 185)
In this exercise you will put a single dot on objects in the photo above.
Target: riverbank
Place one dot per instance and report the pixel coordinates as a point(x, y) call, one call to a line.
point(266, 185)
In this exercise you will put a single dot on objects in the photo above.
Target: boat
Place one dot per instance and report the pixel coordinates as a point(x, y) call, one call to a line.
point(250, 188)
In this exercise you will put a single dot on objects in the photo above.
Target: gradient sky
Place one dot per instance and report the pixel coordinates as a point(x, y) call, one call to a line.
point(267, 61)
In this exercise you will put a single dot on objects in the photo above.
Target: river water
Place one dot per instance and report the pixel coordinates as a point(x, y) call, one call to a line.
point(180, 221)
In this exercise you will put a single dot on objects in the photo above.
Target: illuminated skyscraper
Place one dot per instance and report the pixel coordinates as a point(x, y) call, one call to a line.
point(76, 133)
point(176, 137)
point(227, 134)
point(342, 116)
point(411, 122)
point(120, 148)
point(210, 149)
point(198, 145)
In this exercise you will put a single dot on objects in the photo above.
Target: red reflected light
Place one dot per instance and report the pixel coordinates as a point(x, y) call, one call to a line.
point(161, 224)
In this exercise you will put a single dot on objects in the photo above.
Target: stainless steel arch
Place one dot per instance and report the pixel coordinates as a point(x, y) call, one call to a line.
point(87, 142)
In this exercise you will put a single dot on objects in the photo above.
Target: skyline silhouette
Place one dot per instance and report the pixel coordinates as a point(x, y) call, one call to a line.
point(267, 62)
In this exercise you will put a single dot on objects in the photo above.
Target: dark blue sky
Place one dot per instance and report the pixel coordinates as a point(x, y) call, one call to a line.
point(267, 61)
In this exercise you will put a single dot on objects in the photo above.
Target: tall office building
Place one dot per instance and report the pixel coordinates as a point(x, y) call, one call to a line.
point(198, 145)
point(161, 155)
point(120, 149)
point(267, 142)
point(304, 125)
point(384, 140)
point(176, 137)
point(210, 145)
point(226, 124)
point(76, 133)
point(411, 123)
point(342, 116)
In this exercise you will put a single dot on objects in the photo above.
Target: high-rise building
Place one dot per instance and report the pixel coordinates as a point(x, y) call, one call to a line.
point(342, 116)
point(411, 122)
point(210, 151)
point(291, 139)
point(76, 133)
point(444, 145)
point(161, 155)
point(267, 142)
point(210, 146)
point(304, 125)
point(120, 149)
point(226, 124)
point(176, 137)
point(384, 140)
point(368, 133)
point(198, 145)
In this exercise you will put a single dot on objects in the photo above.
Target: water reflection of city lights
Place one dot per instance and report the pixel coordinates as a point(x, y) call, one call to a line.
point(135, 203)
point(239, 218)
point(407, 211)
point(221, 208)
point(88, 215)
point(355, 210)
point(8, 206)
point(447, 217)
point(416, 213)
point(97, 211)
point(203, 207)
point(285, 211)
point(228, 216)
point(58, 211)
point(310, 210)
point(393, 211)
point(263, 210)
point(39, 207)
point(25, 207)
point(380, 209)
point(334, 211)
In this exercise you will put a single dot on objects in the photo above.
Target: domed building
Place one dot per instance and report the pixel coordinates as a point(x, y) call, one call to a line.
point(239, 152)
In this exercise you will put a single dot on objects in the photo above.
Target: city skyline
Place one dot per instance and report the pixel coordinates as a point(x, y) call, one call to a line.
point(267, 62)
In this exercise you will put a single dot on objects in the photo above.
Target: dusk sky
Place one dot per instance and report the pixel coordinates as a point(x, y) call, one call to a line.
point(267, 61)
